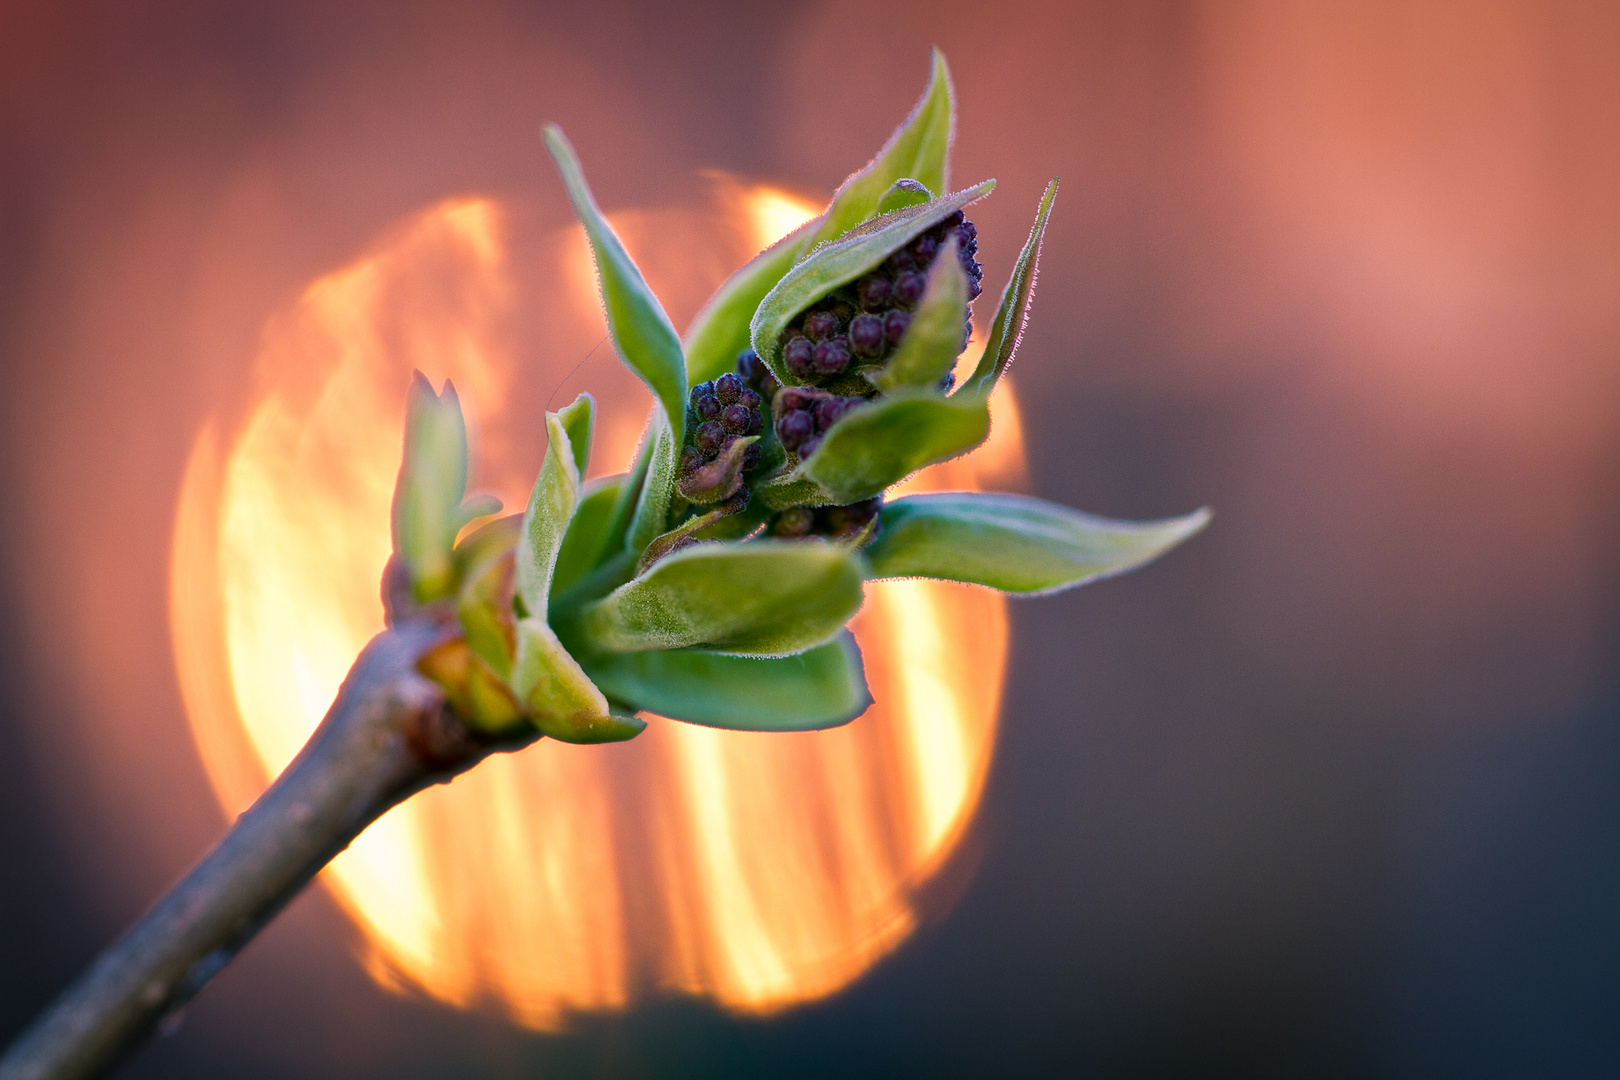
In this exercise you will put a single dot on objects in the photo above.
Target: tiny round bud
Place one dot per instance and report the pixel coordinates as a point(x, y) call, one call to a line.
point(908, 288)
point(710, 437)
point(794, 523)
point(873, 289)
point(831, 358)
point(702, 388)
point(974, 288)
point(866, 336)
point(900, 262)
point(793, 428)
point(797, 355)
point(749, 366)
point(748, 399)
point(924, 248)
point(830, 410)
point(728, 388)
point(955, 218)
point(967, 233)
point(707, 406)
point(735, 419)
point(751, 455)
point(691, 460)
point(794, 397)
point(894, 326)
point(809, 446)
point(756, 422)
point(820, 325)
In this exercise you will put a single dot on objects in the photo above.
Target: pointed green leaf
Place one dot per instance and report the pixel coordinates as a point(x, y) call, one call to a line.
point(579, 421)
point(840, 262)
point(545, 523)
point(901, 194)
point(582, 545)
point(919, 150)
point(760, 598)
point(1015, 543)
point(560, 698)
point(819, 688)
point(1013, 313)
point(484, 608)
point(720, 331)
point(641, 331)
point(935, 337)
point(884, 441)
point(683, 535)
point(428, 508)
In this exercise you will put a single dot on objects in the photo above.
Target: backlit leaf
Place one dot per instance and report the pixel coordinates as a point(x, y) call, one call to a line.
point(1014, 543)
point(1013, 313)
point(545, 523)
point(642, 333)
point(818, 688)
point(884, 441)
point(761, 598)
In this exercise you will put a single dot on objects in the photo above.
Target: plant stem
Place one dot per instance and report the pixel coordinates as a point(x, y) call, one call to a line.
point(388, 735)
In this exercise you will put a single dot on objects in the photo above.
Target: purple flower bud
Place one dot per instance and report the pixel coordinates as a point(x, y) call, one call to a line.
point(707, 406)
point(751, 455)
point(736, 419)
point(749, 366)
point(873, 289)
point(691, 460)
point(756, 422)
point(748, 399)
point(809, 446)
point(728, 388)
point(866, 336)
point(794, 397)
point(793, 428)
point(797, 355)
point(967, 233)
point(710, 437)
point(954, 219)
point(900, 262)
point(820, 325)
point(794, 523)
point(894, 326)
point(974, 288)
point(924, 248)
point(830, 410)
point(702, 389)
point(908, 288)
point(831, 358)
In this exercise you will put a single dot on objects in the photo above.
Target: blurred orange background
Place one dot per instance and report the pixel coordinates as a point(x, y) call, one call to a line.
point(1332, 790)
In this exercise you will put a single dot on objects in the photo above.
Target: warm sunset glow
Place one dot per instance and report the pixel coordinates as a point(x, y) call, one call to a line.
point(760, 870)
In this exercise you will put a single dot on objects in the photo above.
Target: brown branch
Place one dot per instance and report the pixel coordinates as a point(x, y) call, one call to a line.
point(388, 735)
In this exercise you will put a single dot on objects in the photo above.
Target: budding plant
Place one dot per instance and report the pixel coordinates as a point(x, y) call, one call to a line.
point(711, 583)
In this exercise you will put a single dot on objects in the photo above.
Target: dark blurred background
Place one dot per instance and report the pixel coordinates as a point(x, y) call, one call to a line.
point(1332, 791)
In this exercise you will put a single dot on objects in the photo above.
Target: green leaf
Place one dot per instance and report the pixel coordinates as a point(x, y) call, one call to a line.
point(428, 508)
point(1014, 543)
point(579, 421)
point(484, 608)
point(840, 262)
point(658, 489)
point(583, 543)
point(818, 688)
point(760, 598)
point(933, 340)
point(919, 150)
point(545, 523)
point(641, 331)
point(1013, 313)
point(884, 441)
point(720, 331)
point(561, 699)
point(901, 194)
